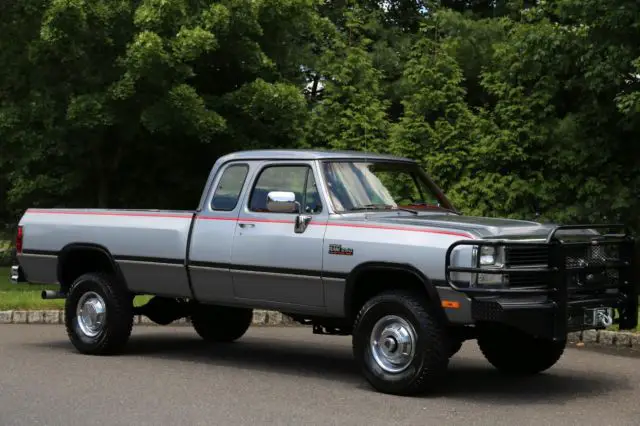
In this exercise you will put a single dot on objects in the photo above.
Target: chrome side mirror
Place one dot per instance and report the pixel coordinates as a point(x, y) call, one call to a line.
point(282, 202)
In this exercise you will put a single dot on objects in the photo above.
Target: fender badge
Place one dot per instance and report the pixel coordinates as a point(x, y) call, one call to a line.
point(339, 250)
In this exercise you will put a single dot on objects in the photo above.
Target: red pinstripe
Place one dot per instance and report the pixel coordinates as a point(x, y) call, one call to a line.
point(106, 213)
point(185, 216)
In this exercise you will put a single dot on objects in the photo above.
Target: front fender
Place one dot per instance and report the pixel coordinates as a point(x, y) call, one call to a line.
point(353, 283)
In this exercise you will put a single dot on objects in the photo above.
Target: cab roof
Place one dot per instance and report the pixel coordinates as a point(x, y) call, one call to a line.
point(309, 154)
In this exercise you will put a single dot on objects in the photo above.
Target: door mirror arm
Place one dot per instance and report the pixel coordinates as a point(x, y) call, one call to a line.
point(302, 221)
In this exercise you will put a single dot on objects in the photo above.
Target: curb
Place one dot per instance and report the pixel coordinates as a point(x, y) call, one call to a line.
point(260, 317)
point(606, 338)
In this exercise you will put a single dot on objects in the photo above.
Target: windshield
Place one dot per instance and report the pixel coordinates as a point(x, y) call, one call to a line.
point(356, 185)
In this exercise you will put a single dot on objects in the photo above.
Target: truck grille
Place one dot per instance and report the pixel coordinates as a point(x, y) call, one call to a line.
point(527, 257)
point(524, 279)
point(589, 267)
point(578, 257)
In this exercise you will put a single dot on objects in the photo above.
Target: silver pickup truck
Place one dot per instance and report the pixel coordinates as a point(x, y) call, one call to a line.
point(351, 243)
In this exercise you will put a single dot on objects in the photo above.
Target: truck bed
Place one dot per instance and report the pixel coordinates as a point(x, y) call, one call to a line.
point(149, 246)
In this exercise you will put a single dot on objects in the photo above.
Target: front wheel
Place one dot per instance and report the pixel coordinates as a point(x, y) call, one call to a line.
point(399, 345)
point(98, 314)
point(517, 353)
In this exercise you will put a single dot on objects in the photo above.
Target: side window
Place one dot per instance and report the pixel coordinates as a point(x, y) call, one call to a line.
point(230, 185)
point(290, 179)
point(312, 202)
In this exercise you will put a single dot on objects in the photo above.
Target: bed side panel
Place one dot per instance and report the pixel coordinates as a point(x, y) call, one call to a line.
point(149, 247)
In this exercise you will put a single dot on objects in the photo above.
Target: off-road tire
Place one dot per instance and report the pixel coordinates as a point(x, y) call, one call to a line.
point(221, 323)
point(118, 322)
point(432, 346)
point(455, 347)
point(516, 353)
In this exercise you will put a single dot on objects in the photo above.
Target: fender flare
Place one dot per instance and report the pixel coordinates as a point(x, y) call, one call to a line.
point(427, 284)
point(77, 246)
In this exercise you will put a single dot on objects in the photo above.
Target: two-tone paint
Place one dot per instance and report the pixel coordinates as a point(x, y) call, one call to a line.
point(256, 259)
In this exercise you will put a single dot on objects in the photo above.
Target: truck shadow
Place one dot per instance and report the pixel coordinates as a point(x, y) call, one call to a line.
point(480, 382)
point(469, 377)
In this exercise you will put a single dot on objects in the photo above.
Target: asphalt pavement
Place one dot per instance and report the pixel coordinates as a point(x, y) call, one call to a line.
point(288, 376)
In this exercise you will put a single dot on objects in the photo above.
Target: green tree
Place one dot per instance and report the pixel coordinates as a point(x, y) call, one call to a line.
point(453, 141)
point(516, 107)
point(557, 78)
point(133, 102)
point(351, 113)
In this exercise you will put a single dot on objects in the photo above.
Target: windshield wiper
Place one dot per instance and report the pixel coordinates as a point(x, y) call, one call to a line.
point(382, 206)
point(436, 205)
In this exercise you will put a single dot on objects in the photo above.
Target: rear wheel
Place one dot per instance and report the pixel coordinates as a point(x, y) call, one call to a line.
point(456, 345)
point(399, 345)
point(98, 314)
point(517, 353)
point(221, 323)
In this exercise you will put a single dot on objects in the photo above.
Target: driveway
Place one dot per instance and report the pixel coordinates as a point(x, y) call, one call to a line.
point(287, 376)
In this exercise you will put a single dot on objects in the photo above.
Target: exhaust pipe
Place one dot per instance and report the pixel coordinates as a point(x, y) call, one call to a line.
point(51, 294)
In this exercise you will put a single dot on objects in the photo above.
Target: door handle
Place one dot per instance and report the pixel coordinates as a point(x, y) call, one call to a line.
point(246, 225)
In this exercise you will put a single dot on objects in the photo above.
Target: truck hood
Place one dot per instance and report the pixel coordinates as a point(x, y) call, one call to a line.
point(484, 227)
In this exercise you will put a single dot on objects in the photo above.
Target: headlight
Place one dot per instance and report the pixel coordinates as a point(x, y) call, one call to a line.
point(488, 257)
point(492, 256)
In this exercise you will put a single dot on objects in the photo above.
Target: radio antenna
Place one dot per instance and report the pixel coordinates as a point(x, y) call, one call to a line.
point(366, 147)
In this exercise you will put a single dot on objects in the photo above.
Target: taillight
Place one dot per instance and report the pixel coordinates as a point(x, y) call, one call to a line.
point(19, 238)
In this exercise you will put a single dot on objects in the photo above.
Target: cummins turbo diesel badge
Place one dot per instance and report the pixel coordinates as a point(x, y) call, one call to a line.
point(338, 249)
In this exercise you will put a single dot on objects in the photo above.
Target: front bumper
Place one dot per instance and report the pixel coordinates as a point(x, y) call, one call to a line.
point(570, 299)
point(546, 319)
point(17, 275)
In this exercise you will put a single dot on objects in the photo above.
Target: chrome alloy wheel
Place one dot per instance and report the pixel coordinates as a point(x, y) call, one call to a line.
point(91, 311)
point(393, 343)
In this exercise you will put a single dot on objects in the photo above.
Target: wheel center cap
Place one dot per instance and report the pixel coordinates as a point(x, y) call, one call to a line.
point(91, 313)
point(390, 344)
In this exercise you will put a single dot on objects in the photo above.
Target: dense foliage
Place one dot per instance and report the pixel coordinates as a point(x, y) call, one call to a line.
point(516, 108)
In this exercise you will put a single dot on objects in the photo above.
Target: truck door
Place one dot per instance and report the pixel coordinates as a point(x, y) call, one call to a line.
point(213, 233)
point(272, 263)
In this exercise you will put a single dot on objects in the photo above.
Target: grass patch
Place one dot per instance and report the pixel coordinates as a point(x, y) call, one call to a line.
point(27, 296)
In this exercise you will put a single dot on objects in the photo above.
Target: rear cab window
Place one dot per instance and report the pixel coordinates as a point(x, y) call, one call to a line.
point(229, 187)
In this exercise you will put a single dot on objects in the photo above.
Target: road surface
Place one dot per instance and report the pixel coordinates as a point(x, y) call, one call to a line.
point(287, 376)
